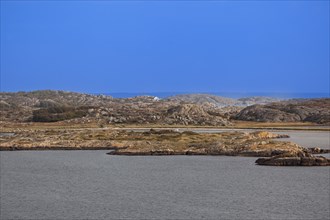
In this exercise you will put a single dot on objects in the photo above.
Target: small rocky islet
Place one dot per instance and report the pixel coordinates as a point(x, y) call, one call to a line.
point(294, 159)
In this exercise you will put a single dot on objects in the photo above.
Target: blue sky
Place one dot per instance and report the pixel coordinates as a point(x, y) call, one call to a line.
point(149, 46)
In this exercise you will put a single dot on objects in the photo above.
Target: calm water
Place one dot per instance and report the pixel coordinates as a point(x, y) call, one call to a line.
point(309, 138)
point(93, 185)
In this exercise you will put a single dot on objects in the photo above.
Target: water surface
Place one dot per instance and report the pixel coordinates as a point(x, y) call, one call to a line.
point(93, 185)
point(308, 138)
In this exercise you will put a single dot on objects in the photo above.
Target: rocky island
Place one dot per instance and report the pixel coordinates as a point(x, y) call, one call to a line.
point(169, 142)
point(294, 159)
point(162, 142)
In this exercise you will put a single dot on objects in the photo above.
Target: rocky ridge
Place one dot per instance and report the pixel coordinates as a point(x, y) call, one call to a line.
point(219, 101)
point(300, 110)
point(193, 109)
point(51, 106)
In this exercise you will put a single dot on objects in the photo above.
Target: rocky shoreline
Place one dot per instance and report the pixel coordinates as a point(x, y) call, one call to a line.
point(167, 142)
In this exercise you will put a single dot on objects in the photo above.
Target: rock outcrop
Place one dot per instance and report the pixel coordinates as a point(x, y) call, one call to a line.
point(294, 159)
point(247, 101)
point(220, 101)
point(205, 99)
point(317, 150)
point(194, 114)
point(301, 110)
point(19, 106)
point(52, 106)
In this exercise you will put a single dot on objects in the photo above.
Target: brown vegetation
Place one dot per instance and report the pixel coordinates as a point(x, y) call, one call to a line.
point(145, 143)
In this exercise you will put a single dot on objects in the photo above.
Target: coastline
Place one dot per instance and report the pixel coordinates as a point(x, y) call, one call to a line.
point(143, 141)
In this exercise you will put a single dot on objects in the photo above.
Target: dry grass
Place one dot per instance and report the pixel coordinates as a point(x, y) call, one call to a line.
point(162, 142)
point(13, 127)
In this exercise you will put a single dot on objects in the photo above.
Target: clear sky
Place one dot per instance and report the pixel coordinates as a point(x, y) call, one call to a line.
point(149, 46)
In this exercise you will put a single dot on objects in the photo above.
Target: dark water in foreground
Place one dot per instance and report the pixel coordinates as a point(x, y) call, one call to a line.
point(93, 185)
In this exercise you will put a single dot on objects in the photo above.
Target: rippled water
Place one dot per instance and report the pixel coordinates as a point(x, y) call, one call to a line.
point(308, 138)
point(93, 185)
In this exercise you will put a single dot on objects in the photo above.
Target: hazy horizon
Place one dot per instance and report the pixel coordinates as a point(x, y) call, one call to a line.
point(234, 95)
